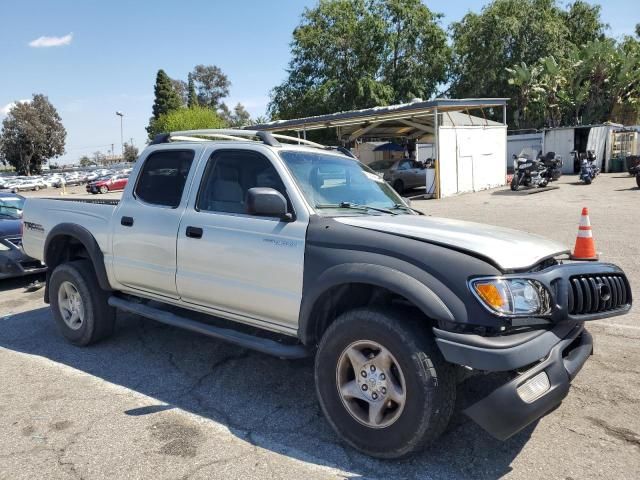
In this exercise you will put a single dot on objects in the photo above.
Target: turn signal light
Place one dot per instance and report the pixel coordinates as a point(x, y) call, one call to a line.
point(491, 295)
point(534, 388)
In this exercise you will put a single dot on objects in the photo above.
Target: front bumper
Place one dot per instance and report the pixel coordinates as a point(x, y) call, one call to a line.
point(15, 263)
point(560, 353)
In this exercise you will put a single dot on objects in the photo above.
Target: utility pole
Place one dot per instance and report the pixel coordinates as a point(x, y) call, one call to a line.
point(121, 115)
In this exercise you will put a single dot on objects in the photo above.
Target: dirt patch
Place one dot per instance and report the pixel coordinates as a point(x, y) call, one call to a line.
point(181, 439)
point(62, 425)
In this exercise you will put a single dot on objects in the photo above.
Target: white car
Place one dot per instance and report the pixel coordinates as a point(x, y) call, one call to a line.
point(24, 184)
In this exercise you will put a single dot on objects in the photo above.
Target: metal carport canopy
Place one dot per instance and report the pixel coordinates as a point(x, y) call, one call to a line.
point(411, 120)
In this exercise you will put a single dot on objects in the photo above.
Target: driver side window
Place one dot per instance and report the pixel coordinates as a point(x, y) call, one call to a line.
point(228, 177)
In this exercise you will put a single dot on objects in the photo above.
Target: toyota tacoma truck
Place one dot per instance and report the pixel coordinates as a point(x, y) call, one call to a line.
point(302, 250)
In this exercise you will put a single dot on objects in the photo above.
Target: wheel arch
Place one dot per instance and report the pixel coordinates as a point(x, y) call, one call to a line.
point(348, 286)
point(69, 241)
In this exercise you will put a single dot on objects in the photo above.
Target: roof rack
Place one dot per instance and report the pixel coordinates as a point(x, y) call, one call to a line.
point(267, 138)
point(226, 134)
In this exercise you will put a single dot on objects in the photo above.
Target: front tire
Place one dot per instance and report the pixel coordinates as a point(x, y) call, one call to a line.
point(79, 305)
point(587, 180)
point(638, 180)
point(398, 186)
point(515, 181)
point(382, 383)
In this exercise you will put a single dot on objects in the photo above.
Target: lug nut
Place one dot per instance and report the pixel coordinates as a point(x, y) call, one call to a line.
point(382, 376)
point(374, 395)
point(372, 368)
point(363, 373)
point(383, 390)
point(364, 387)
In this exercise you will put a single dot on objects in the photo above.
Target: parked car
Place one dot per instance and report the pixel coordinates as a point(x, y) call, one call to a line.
point(13, 261)
point(405, 174)
point(320, 256)
point(108, 184)
point(25, 184)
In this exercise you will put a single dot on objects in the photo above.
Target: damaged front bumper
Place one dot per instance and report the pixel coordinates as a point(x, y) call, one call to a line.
point(550, 359)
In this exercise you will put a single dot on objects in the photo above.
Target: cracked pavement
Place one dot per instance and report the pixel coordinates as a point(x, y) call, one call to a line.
point(157, 402)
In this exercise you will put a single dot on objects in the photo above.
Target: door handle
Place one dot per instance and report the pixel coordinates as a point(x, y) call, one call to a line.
point(126, 221)
point(194, 232)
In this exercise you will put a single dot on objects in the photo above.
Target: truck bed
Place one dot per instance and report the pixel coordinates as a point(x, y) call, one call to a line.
point(41, 215)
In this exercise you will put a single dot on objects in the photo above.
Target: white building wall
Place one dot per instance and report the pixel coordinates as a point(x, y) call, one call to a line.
point(516, 143)
point(471, 158)
point(562, 142)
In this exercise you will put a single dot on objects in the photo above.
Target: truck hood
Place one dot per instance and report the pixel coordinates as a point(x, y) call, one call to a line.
point(506, 248)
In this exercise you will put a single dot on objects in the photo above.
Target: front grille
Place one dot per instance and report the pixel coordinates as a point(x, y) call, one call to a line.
point(598, 293)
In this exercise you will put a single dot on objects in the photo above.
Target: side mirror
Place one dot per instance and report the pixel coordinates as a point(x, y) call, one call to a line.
point(267, 202)
point(514, 156)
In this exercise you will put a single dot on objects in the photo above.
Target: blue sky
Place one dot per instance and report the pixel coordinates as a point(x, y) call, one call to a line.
point(110, 51)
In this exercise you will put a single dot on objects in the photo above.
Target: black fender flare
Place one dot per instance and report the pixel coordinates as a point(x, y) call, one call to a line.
point(393, 280)
point(86, 238)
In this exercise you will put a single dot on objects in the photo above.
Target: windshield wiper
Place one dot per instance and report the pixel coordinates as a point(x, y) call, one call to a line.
point(400, 206)
point(355, 206)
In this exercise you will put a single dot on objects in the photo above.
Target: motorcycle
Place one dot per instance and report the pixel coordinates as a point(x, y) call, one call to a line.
point(531, 170)
point(588, 168)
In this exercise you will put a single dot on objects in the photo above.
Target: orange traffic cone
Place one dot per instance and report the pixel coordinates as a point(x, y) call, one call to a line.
point(585, 248)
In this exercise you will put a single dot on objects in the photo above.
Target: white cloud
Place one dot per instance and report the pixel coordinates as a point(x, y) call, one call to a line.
point(51, 41)
point(7, 108)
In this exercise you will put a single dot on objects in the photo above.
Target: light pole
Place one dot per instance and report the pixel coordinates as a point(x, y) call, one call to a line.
point(121, 115)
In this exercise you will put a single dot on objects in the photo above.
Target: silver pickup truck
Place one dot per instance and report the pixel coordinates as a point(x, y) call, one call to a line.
point(302, 250)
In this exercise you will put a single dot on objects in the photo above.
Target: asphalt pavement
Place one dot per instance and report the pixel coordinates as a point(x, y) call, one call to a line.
point(160, 403)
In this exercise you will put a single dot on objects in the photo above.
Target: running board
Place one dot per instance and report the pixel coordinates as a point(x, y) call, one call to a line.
point(264, 345)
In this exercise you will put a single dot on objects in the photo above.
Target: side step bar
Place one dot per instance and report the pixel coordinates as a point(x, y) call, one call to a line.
point(245, 340)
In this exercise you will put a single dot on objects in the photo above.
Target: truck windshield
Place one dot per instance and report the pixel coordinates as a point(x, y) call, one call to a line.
point(336, 185)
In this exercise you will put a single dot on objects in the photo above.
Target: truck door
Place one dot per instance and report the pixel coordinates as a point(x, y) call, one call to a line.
point(147, 220)
point(240, 266)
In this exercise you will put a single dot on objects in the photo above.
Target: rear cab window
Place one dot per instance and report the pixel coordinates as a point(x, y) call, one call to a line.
point(163, 177)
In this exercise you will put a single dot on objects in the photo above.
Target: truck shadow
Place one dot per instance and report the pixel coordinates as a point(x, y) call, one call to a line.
point(268, 402)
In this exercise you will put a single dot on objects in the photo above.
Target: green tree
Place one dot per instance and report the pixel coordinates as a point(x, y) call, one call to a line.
point(239, 117)
point(337, 53)
point(130, 153)
point(194, 118)
point(32, 133)
point(505, 33)
point(166, 98)
point(192, 96)
point(525, 79)
point(181, 88)
point(416, 56)
point(85, 161)
point(583, 23)
point(211, 84)
point(349, 54)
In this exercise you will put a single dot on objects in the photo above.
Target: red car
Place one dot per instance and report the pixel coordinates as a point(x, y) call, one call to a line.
point(108, 184)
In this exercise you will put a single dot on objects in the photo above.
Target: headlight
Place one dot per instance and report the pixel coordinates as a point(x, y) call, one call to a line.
point(515, 297)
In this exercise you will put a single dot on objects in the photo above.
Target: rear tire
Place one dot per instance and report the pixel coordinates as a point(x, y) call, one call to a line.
point(398, 186)
point(638, 180)
point(104, 189)
point(587, 180)
point(418, 375)
point(74, 290)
